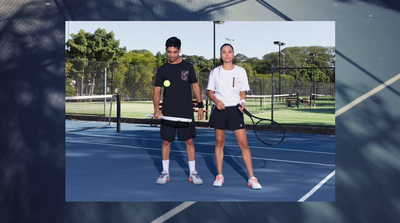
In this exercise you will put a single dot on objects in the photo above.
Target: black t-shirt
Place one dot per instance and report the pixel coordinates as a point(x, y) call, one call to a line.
point(177, 98)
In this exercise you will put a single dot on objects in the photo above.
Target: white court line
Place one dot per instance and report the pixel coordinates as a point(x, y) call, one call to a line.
point(312, 191)
point(201, 153)
point(367, 95)
point(173, 212)
point(204, 143)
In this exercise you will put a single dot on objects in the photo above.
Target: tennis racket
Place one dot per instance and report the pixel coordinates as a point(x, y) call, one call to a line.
point(267, 131)
point(170, 120)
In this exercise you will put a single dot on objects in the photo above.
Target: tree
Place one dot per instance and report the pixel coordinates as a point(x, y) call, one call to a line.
point(298, 57)
point(248, 67)
point(99, 46)
point(139, 71)
point(161, 58)
point(70, 89)
point(241, 58)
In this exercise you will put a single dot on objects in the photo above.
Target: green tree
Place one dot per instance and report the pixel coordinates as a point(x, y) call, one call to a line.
point(161, 58)
point(300, 57)
point(99, 46)
point(70, 83)
point(241, 58)
point(139, 71)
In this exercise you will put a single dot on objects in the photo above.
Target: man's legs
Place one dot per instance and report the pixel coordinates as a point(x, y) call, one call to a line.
point(165, 150)
point(190, 150)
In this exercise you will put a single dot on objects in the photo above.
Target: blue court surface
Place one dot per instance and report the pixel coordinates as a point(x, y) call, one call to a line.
point(103, 165)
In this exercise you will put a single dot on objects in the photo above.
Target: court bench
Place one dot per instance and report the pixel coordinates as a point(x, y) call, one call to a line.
point(293, 100)
point(195, 108)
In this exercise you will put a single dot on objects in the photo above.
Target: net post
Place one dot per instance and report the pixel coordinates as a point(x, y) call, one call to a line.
point(207, 104)
point(105, 92)
point(118, 113)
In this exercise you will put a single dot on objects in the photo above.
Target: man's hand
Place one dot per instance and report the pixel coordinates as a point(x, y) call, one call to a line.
point(157, 114)
point(200, 114)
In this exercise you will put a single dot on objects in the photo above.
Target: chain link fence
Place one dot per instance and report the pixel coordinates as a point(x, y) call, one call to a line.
point(285, 101)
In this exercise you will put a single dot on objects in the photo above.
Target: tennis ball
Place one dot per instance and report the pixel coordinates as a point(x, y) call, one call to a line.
point(167, 83)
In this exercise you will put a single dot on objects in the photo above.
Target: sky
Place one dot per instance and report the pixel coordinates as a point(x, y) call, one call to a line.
point(251, 38)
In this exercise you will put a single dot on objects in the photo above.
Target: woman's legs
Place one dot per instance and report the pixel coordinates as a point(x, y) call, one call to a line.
point(219, 149)
point(241, 138)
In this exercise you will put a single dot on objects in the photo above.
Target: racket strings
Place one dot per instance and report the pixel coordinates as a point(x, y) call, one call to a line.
point(269, 132)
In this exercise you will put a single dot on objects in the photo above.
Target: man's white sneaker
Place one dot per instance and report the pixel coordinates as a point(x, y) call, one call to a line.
point(194, 177)
point(164, 177)
point(219, 180)
point(253, 183)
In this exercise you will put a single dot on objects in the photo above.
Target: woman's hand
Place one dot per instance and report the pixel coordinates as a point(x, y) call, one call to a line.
point(220, 105)
point(242, 106)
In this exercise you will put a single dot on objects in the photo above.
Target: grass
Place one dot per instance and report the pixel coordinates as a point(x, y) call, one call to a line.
point(321, 114)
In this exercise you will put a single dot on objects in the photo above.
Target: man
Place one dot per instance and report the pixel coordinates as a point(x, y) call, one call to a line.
point(178, 78)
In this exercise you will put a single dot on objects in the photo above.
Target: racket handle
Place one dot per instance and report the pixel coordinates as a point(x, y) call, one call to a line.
point(244, 110)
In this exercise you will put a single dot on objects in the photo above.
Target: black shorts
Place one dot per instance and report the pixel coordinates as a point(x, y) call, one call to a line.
point(186, 131)
point(230, 118)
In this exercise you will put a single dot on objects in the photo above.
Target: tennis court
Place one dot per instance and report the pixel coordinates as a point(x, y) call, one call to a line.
point(103, 165)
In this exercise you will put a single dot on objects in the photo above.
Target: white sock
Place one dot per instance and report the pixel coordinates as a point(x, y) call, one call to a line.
point(165, 165)
point(192, 166)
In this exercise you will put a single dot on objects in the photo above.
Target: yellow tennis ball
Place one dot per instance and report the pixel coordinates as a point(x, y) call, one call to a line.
point(167, 83)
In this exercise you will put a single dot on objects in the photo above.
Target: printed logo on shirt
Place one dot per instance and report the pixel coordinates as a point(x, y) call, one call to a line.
point(184, 75)
point(236, 82)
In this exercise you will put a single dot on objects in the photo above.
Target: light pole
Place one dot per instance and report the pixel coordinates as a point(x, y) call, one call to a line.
point(230, 40)
point(279, 43)
point(313, 55)
point(219, 23)
point(284, 62)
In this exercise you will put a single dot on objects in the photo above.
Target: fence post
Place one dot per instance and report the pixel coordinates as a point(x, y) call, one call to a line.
point(118, 113)
point(272, 92)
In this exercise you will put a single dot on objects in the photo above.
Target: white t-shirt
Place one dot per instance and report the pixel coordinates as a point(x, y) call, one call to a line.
point(227, 84)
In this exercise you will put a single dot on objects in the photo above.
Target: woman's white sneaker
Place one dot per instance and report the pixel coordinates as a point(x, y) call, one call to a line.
point(219, 180)
point(253, 183)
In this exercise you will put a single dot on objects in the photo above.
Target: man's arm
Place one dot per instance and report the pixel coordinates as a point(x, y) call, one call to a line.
point(197, 94)
point(156, 102)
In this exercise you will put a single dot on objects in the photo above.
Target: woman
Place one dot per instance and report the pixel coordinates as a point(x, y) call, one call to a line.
point(227, 86)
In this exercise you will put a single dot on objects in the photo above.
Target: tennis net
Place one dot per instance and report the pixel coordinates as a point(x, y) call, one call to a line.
point(263, 103)
point(91, 112)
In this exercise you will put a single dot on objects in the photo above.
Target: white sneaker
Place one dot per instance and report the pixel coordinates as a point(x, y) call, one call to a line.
point(164, 177)
point(253, 183)
point(219, 180)
point(194, 177)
